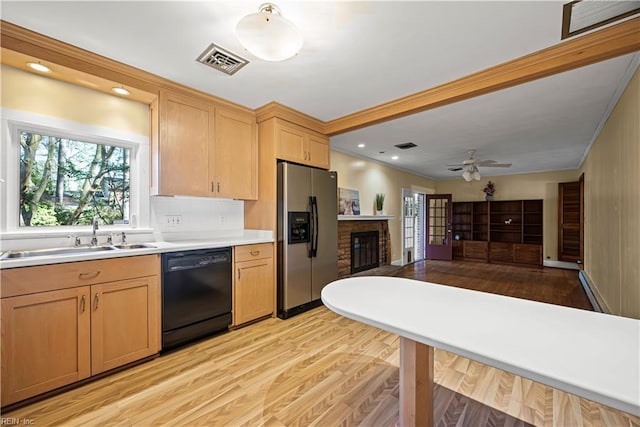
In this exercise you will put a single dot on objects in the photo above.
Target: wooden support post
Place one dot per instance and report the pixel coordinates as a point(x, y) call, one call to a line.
point(416, 384)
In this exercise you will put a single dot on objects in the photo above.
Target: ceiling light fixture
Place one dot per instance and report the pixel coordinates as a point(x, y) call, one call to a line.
point(471, 172)
point(120, 91)
point(394, 158)
point(361, 145)
point(268, 35)
point(39, 67)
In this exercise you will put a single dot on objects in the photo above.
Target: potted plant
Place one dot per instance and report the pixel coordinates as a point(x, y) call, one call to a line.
point(379, 203)
point(489, 189)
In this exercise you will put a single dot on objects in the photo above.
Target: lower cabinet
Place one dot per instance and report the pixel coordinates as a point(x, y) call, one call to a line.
point(54, 338)
point(253, 284)
point(125, 322)
point(46, 342)
point(476, 250)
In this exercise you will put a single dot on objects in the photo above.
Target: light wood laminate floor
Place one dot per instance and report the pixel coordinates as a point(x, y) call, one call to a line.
point(314, 369)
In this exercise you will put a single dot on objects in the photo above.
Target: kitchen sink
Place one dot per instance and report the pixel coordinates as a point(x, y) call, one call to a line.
point(72, 250)
point(55, 251)
point(133, 246)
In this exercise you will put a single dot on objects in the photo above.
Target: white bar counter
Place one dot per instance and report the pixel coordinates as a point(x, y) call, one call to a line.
point(589, 354)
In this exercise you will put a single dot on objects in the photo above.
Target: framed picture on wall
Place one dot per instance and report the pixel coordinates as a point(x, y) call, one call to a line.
point(348, 201)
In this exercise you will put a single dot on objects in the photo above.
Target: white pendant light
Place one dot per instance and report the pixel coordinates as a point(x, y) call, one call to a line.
point(268, 35)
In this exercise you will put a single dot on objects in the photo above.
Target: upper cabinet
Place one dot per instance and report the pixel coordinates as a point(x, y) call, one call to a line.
point(298, 144)
point(185, 136)
point(235, 155)
point(203, 149)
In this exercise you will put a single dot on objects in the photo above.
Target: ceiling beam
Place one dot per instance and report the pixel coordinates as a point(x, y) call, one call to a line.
point(594, 47)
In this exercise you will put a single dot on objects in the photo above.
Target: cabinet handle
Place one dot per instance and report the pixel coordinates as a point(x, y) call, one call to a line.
point(96, 300)
point(309, 155)
point(212, 188)
point(82, 304)
point(255, 253)
point(218, 187)
point(89, 275)
point(238, 274)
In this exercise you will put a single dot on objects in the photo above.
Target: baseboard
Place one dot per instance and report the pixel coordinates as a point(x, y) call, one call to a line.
point(396, 262)
point(592, 293)
point(560, 264)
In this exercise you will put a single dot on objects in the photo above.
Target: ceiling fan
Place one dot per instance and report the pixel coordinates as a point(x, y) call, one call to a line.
point(470, 166)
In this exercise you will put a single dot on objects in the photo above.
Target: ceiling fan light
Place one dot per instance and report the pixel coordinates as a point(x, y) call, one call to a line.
point(268, 35)
point(476, 175)
point(467, 176)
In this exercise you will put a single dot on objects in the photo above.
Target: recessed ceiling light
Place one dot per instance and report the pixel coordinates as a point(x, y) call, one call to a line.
point(394, 158)
point(361, 145)
point(120, 91)
point(39, 67)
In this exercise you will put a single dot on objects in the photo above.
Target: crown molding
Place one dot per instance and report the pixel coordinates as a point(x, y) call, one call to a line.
point(276, 110)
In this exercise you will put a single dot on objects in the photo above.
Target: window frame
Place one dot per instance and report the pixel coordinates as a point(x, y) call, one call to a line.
point(13, 122)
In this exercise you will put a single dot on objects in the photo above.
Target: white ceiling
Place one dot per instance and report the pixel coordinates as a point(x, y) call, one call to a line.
point(362, 53)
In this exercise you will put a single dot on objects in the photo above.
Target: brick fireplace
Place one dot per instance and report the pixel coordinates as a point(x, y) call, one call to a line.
point(347, 227)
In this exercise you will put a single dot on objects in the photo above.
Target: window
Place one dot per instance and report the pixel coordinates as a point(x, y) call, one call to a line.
point(68, 182)
point(57, 174)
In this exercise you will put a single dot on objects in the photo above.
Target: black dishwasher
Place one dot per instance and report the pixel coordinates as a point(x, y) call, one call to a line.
point(196, 295)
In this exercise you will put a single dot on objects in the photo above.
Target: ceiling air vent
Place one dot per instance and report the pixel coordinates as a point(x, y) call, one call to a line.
point(221, 59)
point(405, 146)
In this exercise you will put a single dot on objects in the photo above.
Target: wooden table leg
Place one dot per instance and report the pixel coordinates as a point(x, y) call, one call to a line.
point(416, 384)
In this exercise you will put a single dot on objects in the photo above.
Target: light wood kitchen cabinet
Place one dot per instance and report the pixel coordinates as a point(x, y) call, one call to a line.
point(253, 285)
point(181, 154)
point(62, 323)
point(235, 156)
point(300, 145)
point(125, 320)
point(45, 342)
point(203, 149)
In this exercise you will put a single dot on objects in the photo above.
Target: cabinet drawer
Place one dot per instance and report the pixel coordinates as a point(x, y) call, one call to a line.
point(30, 280)
point(250, 252)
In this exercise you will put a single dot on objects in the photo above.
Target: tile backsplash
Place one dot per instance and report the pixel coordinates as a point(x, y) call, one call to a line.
point(196, 214)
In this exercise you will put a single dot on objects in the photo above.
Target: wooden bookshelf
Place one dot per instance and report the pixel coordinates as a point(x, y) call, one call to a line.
point(504, 231)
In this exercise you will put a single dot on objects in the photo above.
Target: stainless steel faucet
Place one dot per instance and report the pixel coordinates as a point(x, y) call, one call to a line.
point(94, 239)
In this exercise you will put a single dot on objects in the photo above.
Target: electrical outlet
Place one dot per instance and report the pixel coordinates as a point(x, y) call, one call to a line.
point(173, 220)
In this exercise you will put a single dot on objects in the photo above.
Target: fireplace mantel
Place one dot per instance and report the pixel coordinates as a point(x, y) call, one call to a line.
point(364, 217)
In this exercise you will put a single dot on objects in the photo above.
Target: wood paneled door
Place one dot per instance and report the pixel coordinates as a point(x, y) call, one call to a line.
point(570, 221)
point(439, 218)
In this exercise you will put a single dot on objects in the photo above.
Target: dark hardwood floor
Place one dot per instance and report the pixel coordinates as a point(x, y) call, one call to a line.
point(550, 285)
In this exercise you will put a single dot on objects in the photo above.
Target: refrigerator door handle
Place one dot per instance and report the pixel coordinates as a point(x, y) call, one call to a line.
point(313, 204)
point(316, 226)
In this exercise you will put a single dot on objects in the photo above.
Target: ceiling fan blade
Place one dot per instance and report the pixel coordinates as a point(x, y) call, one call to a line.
point(492, 164)
point(457, 166)
point(498, 165)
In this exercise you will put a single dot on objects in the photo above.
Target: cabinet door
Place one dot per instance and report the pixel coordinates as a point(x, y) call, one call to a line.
point(235, 156)
point(125, 322)
point(254, 290)
point(318, 151)
point(45, 342)
point(186, 134)
point(291, 143)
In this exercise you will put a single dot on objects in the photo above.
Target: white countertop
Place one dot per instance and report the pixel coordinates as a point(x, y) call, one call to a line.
point(242, 237)
point(592, 355)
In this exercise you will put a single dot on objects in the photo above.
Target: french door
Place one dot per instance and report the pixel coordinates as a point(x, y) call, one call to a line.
point(439, 216)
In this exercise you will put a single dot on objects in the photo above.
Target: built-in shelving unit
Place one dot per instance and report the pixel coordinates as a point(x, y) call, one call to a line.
point(508, 231)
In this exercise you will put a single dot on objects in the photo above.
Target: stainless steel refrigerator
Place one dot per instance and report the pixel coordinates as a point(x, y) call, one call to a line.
point(307, 236)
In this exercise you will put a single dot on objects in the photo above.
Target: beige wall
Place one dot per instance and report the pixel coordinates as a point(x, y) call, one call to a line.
point(612, 207)
point(37, 94)
point(515, 187)
point(370, 178)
